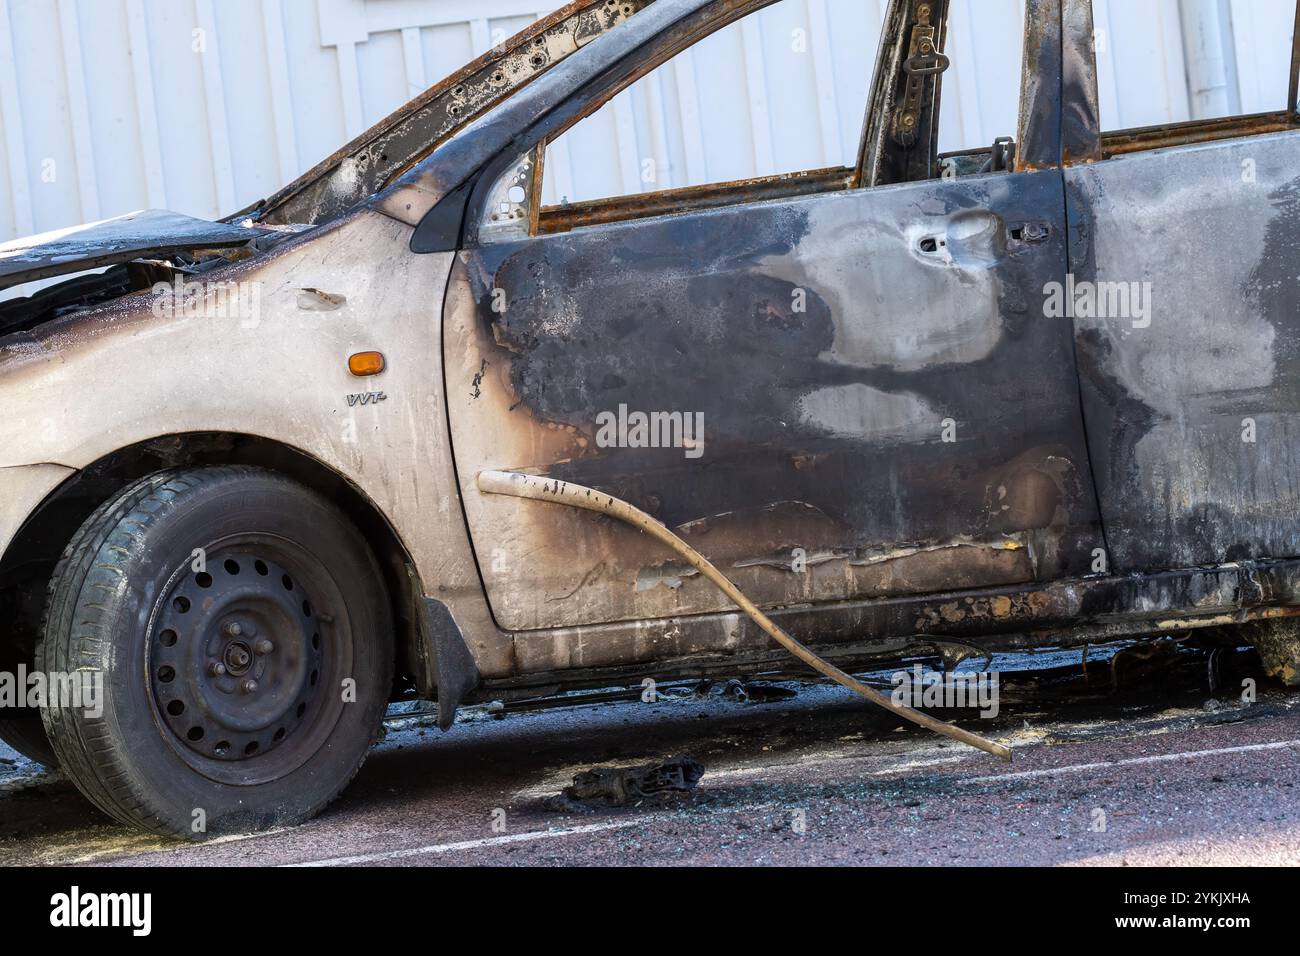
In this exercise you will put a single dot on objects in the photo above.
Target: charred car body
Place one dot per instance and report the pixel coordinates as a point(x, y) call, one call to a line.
point(262, 527)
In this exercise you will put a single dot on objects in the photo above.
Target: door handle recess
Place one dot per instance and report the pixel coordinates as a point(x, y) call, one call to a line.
point(974, 238)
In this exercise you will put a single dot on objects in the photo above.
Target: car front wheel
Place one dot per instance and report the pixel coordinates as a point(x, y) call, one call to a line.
point(222, 641)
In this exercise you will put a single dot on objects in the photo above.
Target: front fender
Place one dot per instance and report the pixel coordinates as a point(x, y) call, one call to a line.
point(267, 357)
point(91, 383)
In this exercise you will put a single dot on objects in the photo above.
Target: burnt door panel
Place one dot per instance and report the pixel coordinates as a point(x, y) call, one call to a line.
point(886, 410)
point(1192, 391)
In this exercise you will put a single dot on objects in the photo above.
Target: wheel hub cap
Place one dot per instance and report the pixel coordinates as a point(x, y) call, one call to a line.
point(236, 657)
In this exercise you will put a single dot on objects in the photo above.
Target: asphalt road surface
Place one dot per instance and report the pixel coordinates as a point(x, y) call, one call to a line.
point(1154, 760)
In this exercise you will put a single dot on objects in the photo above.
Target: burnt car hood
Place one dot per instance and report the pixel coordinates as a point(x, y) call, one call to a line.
point(149, 232)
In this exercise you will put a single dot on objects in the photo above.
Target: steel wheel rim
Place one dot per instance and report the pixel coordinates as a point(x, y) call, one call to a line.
point(255, 590)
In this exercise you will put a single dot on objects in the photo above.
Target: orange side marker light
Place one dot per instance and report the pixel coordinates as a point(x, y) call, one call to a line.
point(366, 363)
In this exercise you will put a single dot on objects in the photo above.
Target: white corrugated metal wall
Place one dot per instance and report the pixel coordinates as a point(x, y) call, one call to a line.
point(203, 106)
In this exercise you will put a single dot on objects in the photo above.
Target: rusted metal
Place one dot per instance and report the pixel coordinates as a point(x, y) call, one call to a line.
point(1083, 140)
point(476, 159)
point(399, 141)
point(924, 60)
point(873, 147)
point(563, 218)
point(1038, 133)
point(588, 499)
point(623, 785)
point(863, 634)
point(1167, 136)
point(1079, 105)
point(905, 148)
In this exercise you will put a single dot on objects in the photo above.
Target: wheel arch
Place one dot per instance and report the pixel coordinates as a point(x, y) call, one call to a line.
point(29, 561)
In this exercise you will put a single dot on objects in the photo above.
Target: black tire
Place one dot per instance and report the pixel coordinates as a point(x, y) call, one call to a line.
point(27, 736)
point(225, 705)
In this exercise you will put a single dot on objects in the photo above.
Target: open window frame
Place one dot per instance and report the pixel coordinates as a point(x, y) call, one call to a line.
point(1089, 143)
point(900, 96)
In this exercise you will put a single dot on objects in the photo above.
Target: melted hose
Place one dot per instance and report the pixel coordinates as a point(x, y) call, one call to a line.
point(577, 496)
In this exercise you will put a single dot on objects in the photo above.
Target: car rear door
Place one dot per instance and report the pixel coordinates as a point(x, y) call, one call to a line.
point(1186, 302)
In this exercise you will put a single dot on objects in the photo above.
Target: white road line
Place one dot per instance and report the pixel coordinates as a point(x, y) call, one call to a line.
point(527, 837)
point(1131, 762)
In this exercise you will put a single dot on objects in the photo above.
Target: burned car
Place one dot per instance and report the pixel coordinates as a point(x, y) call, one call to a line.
point(1042, 393)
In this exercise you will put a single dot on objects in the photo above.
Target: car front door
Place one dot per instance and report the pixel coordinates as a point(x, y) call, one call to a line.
point(848, 390)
